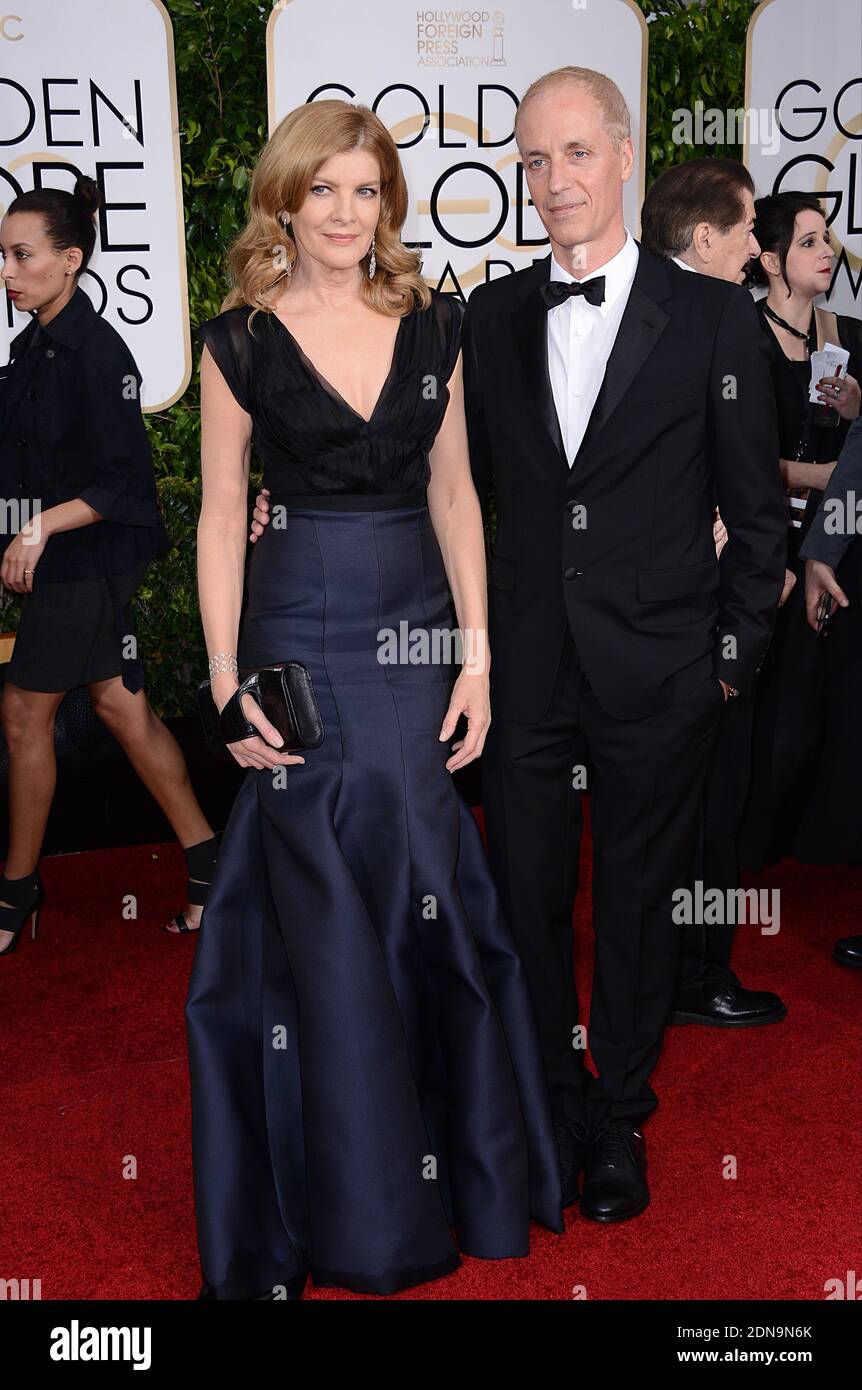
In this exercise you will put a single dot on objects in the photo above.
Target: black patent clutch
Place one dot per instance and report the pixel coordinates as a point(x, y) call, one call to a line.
point(286, 695)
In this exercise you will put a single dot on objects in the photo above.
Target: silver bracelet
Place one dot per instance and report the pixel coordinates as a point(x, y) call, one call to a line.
point(222, 661)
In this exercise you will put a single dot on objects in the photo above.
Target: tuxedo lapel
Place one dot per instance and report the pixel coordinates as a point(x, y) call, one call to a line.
point(641, 326)
point(530, 319)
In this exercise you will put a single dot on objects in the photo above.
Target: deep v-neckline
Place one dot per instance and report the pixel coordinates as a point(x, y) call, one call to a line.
point(327, 385)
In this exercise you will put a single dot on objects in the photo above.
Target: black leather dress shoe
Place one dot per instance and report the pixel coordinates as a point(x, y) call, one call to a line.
point(848, 951)
point(728, 1005)
point(615, 1187)
point(572, 1141)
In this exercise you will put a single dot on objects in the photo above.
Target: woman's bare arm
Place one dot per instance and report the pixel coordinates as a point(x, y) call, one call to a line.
point(457, 520)
point(797, 474)
point(225, 456)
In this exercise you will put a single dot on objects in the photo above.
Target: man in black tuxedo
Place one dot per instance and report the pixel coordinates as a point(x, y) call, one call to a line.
point(611, 396)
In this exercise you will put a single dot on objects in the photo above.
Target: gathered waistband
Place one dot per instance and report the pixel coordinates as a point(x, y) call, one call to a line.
point(348, 501)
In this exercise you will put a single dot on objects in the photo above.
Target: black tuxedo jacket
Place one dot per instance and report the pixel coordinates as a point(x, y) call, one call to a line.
point(620, 546)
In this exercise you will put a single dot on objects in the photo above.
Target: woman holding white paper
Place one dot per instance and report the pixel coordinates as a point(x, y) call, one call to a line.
point(807, 755)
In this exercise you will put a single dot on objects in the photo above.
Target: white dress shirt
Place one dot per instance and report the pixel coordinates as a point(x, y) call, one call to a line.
point(683, 264)
point(580, 338)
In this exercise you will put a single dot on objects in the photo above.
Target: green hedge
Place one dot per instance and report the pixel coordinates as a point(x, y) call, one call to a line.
point(697, 52)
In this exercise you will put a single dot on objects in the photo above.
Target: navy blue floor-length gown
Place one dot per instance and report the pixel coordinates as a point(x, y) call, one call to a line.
point(367, 1087)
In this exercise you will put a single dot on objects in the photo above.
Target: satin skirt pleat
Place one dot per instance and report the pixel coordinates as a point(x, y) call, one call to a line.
point(367, 1087)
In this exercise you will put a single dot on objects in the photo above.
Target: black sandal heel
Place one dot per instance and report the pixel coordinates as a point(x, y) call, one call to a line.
point(25, 895)
point(201, 860)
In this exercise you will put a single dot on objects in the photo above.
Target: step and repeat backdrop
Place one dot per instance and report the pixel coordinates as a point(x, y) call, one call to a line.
point(446, 82)
point(803, 100)
point(88, 86)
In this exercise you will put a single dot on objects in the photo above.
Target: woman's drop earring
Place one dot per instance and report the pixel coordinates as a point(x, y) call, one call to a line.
point(285, 222)
point(372, 264)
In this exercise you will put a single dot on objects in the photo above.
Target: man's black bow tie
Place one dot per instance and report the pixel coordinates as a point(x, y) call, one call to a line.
point(555, 292)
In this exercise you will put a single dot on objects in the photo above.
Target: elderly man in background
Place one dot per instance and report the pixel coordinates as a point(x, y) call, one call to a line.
point(700, 215)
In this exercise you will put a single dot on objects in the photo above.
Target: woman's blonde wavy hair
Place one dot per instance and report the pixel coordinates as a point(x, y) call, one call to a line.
point(283, 175)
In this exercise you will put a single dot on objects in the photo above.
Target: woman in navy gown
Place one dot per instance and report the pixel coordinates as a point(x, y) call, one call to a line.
point(367, 1088)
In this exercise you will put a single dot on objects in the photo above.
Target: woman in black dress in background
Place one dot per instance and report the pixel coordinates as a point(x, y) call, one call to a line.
point(807, 749)
point(365, 1065)
point(74, 456)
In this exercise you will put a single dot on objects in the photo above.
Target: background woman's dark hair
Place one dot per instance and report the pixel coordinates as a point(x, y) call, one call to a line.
point(776, 219)
point(700, 190)
point(69, 217)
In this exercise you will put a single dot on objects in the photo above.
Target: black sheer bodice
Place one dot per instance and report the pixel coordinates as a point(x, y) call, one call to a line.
point(311, 442)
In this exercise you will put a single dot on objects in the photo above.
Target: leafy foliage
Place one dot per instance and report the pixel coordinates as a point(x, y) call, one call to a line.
point(696, 53)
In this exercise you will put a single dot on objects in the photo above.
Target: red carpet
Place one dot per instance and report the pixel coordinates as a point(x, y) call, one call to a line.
point(94, 1086)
